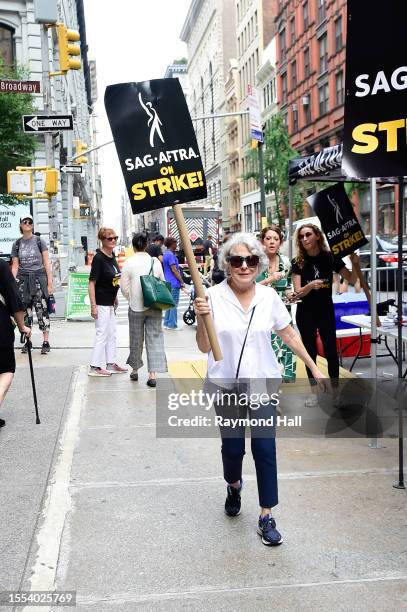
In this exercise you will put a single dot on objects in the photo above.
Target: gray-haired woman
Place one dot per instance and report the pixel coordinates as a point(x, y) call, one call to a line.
point(245, 314)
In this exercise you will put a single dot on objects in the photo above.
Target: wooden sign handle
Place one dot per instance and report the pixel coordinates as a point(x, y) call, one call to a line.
point(365, 288)
point(193, 268)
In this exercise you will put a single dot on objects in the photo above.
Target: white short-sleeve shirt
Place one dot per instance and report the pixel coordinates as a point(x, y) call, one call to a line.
point(259, 359)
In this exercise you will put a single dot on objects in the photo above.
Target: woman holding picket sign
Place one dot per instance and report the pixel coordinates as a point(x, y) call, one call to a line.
point(245, 313)
point(312, 275)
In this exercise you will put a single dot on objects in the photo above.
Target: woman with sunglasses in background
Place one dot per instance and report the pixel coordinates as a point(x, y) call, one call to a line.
point(104, 281)
point(245, 313)
point(278, 276)
point(32, 270)
point(312, 272)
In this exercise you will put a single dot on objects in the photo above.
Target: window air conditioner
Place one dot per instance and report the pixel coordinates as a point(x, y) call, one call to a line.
point(305, 100)
point(294, 106)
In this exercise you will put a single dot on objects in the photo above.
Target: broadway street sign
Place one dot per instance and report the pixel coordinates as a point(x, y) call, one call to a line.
point(47, 123)
point(71, 169)
point(20, 87)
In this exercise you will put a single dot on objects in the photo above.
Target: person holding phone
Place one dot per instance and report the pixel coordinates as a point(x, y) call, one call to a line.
point(278, 276)
point(312, 273)
point(104, 282)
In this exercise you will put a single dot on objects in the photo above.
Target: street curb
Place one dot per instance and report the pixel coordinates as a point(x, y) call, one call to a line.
point(56, 503)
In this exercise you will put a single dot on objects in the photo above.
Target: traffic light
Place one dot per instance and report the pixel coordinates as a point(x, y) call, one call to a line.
point(66, 49)
point(81, 147)
point(51, 182)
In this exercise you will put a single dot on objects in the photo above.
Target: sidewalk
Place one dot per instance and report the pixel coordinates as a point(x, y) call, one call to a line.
point(132, 522)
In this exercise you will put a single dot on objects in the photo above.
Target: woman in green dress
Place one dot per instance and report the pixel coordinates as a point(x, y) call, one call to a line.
point(278, 276)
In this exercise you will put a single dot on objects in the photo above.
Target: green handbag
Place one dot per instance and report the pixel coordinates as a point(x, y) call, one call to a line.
point(156, 293)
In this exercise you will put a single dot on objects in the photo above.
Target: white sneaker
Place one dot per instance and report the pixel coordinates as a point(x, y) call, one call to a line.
point(98, 372)
point(311, 401)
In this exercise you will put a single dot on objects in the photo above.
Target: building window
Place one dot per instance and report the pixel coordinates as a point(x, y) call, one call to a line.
point(305, 15)
point(269, 93)
point(257, 216)
point(321, 10)
point(284, 88)
point(294, 74)
point(292, 29)
point(323, 54)
point(307, 109)
point(307, 66)
point(283, 48)
point(339, 91)
point(6, 45)
point(323, 92)
point(295, 117)
point(248, 224)
point(338, 34)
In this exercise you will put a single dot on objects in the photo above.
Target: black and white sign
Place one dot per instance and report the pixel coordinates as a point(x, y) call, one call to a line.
point(71, 169)
point(47, 123)
point(338, 220)
point(156, 143)
point(375, 143)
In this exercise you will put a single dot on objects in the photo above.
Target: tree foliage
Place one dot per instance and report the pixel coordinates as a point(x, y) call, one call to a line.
point(16, 148)
point(277, 154)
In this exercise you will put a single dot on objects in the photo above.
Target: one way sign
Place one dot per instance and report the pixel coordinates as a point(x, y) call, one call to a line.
point(71, 169)
point(47, 123)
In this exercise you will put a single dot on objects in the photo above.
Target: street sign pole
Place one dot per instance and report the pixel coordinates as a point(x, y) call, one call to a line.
point(49, 155)
point(262, 186)
point(256, 134)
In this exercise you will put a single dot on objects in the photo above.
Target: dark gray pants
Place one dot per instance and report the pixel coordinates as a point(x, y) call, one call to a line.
point(146, 326)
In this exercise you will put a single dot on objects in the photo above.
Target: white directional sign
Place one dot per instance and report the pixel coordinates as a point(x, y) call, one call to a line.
point(47, 123)
point(256, 132)
point(71, 169)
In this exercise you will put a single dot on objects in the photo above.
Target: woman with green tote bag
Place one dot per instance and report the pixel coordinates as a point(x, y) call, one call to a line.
point(144, 322)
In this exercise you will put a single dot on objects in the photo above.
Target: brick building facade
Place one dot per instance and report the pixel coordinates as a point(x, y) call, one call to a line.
point(311, 37)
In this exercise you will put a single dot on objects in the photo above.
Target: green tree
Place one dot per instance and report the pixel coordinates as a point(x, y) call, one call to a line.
point(277, 154)
point(16, 147)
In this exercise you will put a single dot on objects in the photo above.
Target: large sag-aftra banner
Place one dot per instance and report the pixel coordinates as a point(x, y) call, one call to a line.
point(338, 220)
point(156, 143)
point(375, 143)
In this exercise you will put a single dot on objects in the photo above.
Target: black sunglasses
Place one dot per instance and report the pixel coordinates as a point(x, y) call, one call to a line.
point(236, 261)
point(307, 235)
point(110, 238)
point(27, 222)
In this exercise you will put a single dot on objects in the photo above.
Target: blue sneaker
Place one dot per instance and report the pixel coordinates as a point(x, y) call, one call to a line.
point(233, 501)
point(268, 532)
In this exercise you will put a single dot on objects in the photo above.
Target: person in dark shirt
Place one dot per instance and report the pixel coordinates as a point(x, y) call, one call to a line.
point(312, 274)
point(155, 248)
point(104, 282)
point(11, 305)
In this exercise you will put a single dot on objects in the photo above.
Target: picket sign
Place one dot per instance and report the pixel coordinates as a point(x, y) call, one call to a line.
point(159, 156)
